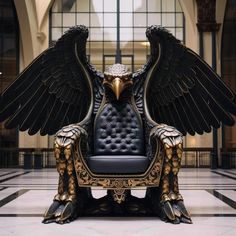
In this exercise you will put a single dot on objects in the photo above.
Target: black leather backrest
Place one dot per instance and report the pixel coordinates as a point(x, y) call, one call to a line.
point(118, 130)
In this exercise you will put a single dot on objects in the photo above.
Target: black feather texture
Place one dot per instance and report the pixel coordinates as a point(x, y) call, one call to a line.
point(181, 89)
point(55, 89)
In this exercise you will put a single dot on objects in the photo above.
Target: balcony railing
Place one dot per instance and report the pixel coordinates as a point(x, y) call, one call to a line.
point(228, 158)
point(196, 157)
point(44, 158)
point(27, 158)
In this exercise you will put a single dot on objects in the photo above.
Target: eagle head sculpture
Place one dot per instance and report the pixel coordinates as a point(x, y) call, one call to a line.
point(117, 78)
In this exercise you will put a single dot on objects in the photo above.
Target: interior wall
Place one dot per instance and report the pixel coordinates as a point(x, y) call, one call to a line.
point(33, 17)
point(228, 64)
point(192, 41)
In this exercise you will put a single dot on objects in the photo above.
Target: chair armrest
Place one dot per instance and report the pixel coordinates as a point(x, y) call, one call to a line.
point(70, 134)
point(165, 138)
point(169, 136)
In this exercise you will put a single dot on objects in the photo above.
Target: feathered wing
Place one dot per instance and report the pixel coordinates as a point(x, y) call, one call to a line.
point(180, 89)
point(55, 90)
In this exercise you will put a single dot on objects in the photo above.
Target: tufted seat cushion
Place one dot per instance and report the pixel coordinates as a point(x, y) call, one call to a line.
point(118, 164)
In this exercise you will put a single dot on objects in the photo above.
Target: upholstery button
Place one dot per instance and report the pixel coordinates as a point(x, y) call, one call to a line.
point(128, 141)
point(118, 130)
point(118, 141)
point(108, 141)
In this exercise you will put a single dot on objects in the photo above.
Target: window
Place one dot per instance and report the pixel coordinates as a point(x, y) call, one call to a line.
point(100, 16)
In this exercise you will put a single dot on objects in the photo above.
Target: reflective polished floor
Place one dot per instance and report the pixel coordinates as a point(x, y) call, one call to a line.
point(210, 196)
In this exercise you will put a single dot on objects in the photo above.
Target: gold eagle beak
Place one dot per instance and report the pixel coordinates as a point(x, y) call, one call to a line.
point(117, 87)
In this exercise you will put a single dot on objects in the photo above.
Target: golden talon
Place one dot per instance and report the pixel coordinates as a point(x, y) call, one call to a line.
point(165, 198)
point(64, 197)
point(71, 198)
point(172, 196)
point(179, 197)
point(57, 197)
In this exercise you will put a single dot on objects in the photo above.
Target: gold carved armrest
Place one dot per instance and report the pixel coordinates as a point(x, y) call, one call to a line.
point(69, 135)
point(170, 141)
point(169, 136)
point(163, 137)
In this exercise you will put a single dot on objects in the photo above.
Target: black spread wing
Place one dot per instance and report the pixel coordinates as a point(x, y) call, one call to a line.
point(181, 89)
point(54, 90)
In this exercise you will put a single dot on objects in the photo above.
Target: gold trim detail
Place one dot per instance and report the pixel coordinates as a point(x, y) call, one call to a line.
point(85, 178)
point(119, 195)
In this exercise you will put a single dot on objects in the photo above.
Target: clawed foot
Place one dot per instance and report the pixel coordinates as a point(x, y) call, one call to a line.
point(60, 213)
point(175, 212)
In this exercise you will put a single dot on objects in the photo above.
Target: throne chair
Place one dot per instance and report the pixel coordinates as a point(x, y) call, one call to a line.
point(117, 130)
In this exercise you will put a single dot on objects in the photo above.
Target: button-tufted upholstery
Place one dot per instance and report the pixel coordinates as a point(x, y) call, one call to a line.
point(118, 130)
point(118, 141)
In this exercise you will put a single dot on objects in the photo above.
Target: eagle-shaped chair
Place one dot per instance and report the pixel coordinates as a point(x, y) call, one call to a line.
point(117, 130)
point(118, 149)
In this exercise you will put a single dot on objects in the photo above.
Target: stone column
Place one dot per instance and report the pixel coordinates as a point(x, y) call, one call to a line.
point(207, 28)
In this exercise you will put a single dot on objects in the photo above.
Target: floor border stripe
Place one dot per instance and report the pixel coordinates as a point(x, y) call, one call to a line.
point(222, 197)
point(224, 175)
point(13, 196)
point(14, 176)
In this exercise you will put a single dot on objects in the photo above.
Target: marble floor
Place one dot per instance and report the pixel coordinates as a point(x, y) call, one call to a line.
point(210, 197)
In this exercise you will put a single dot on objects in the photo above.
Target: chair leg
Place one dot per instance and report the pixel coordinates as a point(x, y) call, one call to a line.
point(63, 208)
point(171, 201)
